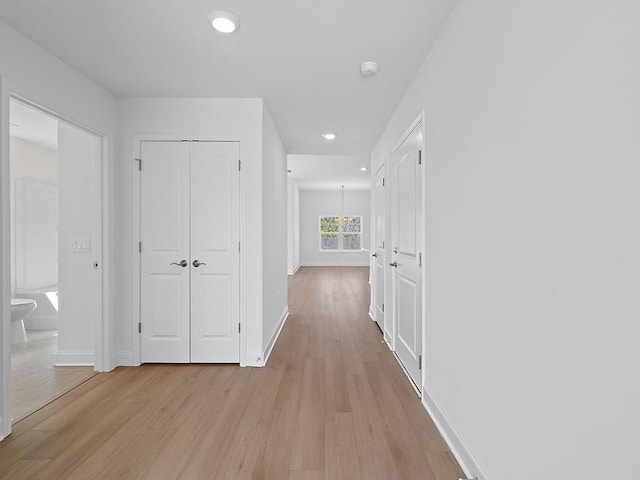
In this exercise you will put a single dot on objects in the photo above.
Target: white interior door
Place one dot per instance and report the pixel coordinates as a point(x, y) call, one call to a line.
point(214, 262)
point(190, 252)
point(378, 249)
point(165, 259)
point(406, 256)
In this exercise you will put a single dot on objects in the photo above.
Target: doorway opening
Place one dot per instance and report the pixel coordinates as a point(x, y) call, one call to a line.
point(55, 238)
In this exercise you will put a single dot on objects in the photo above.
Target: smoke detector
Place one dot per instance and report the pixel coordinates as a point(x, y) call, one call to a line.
point(367, 69)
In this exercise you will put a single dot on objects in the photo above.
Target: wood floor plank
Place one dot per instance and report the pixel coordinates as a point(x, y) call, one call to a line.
point(306, 475)
point(341, 451)
point(308, 445)
point(376, 461)
point(332, 403)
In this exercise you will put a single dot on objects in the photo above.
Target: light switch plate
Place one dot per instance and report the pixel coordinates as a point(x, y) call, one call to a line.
point(80, 245)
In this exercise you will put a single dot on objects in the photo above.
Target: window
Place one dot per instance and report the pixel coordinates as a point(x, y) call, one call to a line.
point(340, 233)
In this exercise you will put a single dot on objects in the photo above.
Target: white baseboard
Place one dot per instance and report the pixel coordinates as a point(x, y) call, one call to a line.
point(275, 335)
point(371, 314)
point(458, 447)
point(295, 270)
point(78, 358)
point(126, 359)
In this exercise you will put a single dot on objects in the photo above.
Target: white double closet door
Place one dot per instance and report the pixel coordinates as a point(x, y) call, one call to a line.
point(190, 252)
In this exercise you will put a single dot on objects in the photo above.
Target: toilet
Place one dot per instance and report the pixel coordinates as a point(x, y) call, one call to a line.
point(21, 308)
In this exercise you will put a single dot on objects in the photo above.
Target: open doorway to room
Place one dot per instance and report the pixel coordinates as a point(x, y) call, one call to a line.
point(55, 246)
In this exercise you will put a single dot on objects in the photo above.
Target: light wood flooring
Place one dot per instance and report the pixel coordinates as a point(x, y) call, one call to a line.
point(331, 404)
point(34, 379)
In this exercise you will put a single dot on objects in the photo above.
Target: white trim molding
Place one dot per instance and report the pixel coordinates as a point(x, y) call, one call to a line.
point(275, 336)
point(295, 270)
point(136, 150)
point(468, 462)
point(126, 359)
point(75, 358)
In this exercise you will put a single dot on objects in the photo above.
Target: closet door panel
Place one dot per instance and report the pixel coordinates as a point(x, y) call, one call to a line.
point(215, 252)
point(164, 286)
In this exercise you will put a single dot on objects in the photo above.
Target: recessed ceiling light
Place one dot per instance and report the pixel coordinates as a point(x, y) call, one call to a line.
point(329, 136)
point(224, 22)
point(363, 169)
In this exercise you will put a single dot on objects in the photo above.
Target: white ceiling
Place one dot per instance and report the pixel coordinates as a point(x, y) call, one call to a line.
point(32, 125)
point(302, 56)
point(330, 172)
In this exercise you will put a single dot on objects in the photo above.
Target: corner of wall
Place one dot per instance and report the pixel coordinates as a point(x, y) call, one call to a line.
point(468, 462)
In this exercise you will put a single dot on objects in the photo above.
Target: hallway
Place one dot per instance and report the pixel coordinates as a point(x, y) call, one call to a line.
point(332, 403)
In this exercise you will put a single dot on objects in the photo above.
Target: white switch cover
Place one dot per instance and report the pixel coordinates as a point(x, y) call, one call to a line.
point(80, 245)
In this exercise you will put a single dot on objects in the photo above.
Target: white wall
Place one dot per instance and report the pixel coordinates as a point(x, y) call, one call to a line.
point(30, 71)
point(223, 119)
point(79, 203)
point(532, 160)
point(293, 226)
point(313, 205)
point(274, 209)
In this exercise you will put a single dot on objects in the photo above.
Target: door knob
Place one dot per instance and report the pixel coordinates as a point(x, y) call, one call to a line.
point(394, 264)
point(374, 255)
point(197, 263)
point(183, 263)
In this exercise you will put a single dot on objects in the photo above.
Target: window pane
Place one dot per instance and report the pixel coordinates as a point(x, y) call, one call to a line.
point(329, 241)
point(351, 241)
point(329, 224)
point(352, 224)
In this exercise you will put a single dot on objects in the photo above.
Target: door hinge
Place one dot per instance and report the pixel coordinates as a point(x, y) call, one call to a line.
point(383, 308)
point(239, 165)
point(383, 244)
point(419, 157)
point(419, 362)
point(139, 327)
point(238, 247)
point(383, 182)
point(420, 260)
point(139, 160)
point(139, 247)
point(239, 328)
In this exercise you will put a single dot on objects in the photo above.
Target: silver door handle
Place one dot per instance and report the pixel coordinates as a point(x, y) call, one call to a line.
point(394, 264)
point(183, 263)
point(197, 263)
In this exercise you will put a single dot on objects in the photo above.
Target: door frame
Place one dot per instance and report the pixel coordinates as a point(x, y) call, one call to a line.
point(136, 236)
point(390, 293)
point(103, 358)
point(375, 278)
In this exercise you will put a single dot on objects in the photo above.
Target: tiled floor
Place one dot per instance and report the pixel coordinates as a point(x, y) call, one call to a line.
point(35, 381)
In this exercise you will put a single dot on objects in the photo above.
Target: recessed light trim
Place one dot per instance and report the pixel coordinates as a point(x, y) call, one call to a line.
point(329, 136)
point(224, 22)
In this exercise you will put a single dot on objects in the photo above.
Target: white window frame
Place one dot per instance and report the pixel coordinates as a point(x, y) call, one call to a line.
point(340, 248)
